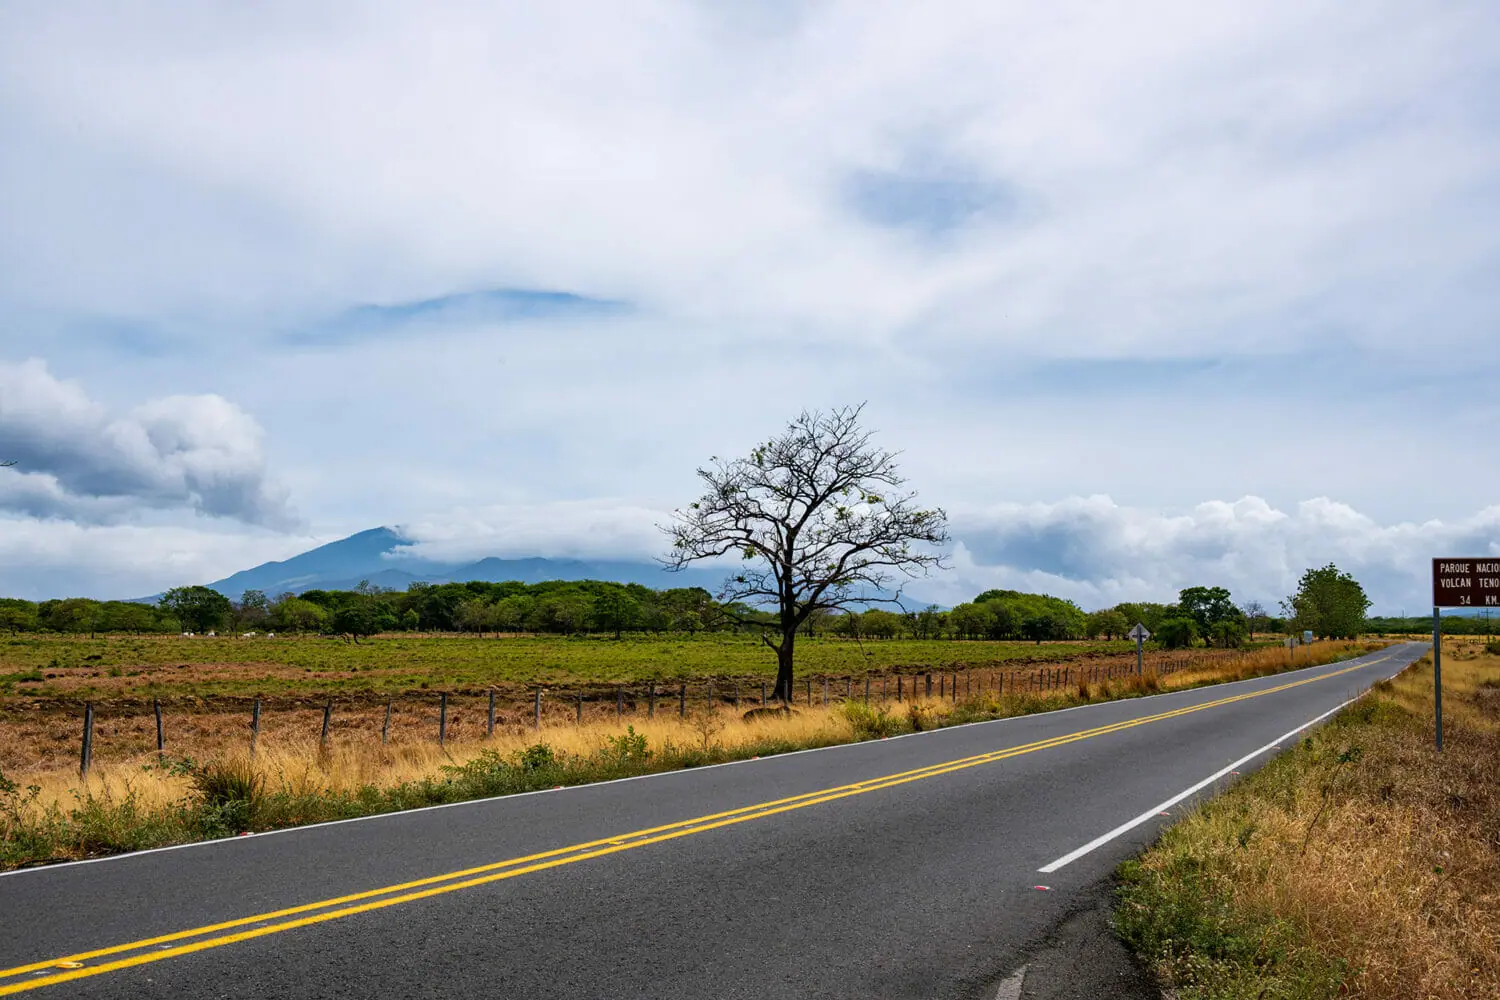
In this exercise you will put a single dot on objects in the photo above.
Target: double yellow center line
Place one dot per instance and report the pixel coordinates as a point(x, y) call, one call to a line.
point(155, 949)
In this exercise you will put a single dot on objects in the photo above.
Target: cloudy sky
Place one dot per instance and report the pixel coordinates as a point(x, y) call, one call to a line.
point(1148, 295)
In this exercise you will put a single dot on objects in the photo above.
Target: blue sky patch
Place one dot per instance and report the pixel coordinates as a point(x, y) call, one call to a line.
point(498, 305)
point(931, 205)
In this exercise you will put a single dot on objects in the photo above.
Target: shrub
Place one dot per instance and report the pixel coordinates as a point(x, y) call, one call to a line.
point(871, 723)
point(491, 773)
point(628, 748)
point(1227, 635)
point(1177, 633)
point(221, 781)
point(537, 757)
point(487, 774)
point(230, 795)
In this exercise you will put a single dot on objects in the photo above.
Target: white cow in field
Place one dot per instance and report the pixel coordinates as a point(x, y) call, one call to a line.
point(212, 633)
point(189, 634)
point(247, 635)
point(270, 635)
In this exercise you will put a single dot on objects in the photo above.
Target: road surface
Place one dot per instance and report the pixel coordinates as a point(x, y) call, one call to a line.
point(896, 868)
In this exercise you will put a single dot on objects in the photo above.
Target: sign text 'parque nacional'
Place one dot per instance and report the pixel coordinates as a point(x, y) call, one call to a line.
point(1466, 583)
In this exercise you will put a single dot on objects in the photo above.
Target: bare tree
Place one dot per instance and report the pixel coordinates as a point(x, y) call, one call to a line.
point(820, 514)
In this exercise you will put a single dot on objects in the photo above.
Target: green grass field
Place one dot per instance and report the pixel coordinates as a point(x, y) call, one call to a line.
point(74, 667)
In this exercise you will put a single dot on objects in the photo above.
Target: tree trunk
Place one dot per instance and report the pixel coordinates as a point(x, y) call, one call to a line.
point(784, 666)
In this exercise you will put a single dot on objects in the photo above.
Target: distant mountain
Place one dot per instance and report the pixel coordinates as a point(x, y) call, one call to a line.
point(344, 564)
point(361, 558)
point(356, 557)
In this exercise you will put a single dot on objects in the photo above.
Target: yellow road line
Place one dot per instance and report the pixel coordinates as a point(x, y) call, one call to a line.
point(405, 892)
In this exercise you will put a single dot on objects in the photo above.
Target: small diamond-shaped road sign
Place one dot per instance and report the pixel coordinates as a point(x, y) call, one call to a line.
point(1140, 633)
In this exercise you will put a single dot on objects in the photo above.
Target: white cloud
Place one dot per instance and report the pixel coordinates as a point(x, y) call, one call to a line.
point(1091, 549)
point(76, 460)
point(42, 559)
point(1099, 552)
point(1179, 179)
point(803, 205)
point(566, 529)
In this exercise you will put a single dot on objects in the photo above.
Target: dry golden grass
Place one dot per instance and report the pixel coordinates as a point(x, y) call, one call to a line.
point(1366, 847)
point(289, 756)
point(299, 765)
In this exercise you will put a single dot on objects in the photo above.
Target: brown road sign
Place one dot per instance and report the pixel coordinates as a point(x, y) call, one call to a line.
point(1466, 583)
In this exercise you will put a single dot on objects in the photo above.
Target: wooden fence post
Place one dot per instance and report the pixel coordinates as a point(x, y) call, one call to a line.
point(929, 685)
point(867, 689)
point(578, 709)
point(710, 697)
point(161, 736)
point(385, 729)
point(736, 696)
point(619, 703)
point(763, 694)
point(825, 692)
point(443, 718)
point(254, 725)
point(86, 754)
point(327, 714)
point(652, 710)
point(682, 701)
point(809, 692)
point(536, 711)
point(490, 728)
point(899, 681)
point(848, 688)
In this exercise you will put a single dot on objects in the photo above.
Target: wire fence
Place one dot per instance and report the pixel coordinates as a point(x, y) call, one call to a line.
point(547, 706)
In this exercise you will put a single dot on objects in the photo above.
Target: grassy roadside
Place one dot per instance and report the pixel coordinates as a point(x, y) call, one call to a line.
point(1360, 863)
point(135, 805)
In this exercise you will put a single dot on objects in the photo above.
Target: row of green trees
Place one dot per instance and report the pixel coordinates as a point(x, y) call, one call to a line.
point(1327, 602)
point(563, 607)
point(1200, 614)
point(1479, 624)
point(80, 614)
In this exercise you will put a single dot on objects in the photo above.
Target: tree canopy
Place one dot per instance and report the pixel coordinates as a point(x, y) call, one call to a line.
point(199, 609)
point(820, 521)
point(1329, 603)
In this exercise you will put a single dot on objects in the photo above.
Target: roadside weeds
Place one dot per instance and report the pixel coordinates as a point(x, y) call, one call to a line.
point(1359, 863)
point(56, 816)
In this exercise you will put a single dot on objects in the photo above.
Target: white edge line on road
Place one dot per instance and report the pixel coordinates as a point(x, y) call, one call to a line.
point(1162, 807)
point(398, 813)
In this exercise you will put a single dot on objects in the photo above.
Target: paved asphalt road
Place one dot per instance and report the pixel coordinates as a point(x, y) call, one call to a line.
point(918, 881)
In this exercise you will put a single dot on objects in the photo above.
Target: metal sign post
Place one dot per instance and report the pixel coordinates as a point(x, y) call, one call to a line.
point(1140, 634)
point(1437, 673)
point(1457, 583)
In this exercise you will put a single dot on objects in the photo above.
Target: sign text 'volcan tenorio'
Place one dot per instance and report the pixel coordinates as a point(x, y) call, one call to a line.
point(1466, 583)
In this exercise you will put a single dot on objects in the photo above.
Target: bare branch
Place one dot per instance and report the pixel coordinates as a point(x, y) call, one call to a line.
point(820, 518)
